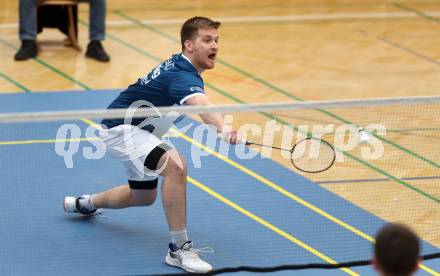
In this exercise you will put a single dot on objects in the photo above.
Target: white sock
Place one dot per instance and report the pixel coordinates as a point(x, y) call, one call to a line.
point(179, 237)
point(91, 202)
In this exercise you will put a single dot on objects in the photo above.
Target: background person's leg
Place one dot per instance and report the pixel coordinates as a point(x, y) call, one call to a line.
point(27, 30)
point(97, 13)
point(28, 19)
point(97, 20)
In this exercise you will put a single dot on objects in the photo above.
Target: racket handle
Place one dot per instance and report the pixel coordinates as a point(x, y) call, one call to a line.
point(240, 141)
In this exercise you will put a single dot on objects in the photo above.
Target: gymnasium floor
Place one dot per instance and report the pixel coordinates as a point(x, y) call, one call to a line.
point(282, 51)
point(38, 236)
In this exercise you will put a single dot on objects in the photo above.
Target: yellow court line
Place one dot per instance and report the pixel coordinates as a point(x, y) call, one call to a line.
point(249, 214)
point(240, 167)
point(26, 142)
point(266, 224)
point(276, 187)
point(287, 193)
point(91, 123)
point(47, 141)
point(273, 186)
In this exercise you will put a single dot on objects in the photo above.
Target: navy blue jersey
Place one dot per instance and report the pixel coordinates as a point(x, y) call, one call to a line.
point(171, 82)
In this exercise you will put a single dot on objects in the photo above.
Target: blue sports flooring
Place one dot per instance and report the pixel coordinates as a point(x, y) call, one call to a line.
point(259, 214)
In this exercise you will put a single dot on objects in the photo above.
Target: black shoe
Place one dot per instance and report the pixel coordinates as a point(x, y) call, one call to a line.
point(27, 50)
point(96, 51)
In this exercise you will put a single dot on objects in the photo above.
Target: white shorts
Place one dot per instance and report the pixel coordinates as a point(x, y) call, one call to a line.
point(132, 145)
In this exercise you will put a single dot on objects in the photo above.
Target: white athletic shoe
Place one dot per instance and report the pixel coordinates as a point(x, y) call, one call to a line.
point(76, 205)
point(187, 258)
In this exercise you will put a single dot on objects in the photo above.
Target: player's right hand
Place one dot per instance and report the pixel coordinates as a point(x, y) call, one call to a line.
point(232, 137)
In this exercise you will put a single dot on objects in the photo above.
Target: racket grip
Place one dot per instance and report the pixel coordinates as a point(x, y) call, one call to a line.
point(225, 137)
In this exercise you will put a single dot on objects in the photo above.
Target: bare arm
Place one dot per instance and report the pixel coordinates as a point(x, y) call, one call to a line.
point(215, 119)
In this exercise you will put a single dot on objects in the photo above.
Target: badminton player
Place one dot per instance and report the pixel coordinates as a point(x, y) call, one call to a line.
point(175, 81)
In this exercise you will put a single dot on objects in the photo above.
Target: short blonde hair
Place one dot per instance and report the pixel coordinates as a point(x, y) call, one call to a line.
point(191, 27)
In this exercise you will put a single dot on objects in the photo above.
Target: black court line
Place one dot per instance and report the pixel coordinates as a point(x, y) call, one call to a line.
point(408, 50)
point(374, 180)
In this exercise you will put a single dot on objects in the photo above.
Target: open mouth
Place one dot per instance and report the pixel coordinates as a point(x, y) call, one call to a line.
point(212, 56)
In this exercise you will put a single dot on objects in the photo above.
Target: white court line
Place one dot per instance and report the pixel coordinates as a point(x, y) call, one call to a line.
point(9, 26)
point(271, 18)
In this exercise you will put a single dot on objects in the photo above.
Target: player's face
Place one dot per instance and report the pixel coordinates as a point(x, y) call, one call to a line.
point(205, 48)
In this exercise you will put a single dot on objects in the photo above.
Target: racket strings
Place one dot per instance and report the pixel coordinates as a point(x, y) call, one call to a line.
point(312, 155)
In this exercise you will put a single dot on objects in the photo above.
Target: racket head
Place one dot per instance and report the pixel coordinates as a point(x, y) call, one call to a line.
point(312, 155)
